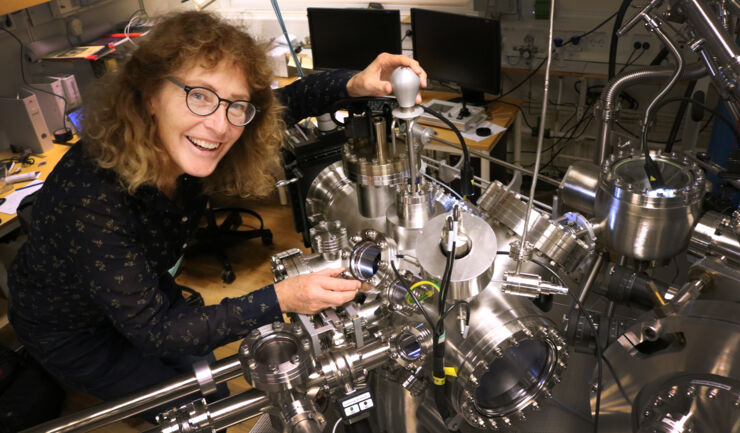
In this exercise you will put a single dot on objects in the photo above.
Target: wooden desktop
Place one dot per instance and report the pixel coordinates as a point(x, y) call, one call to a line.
point(44, 163)
point(502, 114)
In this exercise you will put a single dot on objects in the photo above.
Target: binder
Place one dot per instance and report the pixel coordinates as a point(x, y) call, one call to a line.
point(71, 91)
point(23, 122)
point(52, 106)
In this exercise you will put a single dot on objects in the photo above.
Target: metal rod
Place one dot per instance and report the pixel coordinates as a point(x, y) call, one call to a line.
point(234, 410)
point(412, 154)
point(591, 278)
point(482, 183)
point(502, 163)
point(381, 141)
point(680, 65)
point(540, 141)
point(118, 409)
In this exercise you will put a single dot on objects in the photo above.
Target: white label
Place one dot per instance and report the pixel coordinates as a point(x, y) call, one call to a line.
point(356, 399)
point(352, 410)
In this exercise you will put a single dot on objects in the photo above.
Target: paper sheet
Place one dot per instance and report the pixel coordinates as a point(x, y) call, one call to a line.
point(472, 135)
point(13, 199)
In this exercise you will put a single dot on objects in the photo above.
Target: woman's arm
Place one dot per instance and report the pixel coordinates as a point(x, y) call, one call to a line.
point(314, 94)
point(111, 263)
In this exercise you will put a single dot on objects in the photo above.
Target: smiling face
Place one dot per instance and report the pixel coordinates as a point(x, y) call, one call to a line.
point(196, 144)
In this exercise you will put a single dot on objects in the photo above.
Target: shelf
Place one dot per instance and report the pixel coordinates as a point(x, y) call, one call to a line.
point(9, 6)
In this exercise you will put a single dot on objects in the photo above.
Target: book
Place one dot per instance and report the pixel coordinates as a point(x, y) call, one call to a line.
point(91, 52)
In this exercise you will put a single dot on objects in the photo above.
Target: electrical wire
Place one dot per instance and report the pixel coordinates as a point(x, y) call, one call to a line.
point(404, 284)
point(519, 107)
point(279, 16)
point(466, 173)
point(452, 307)
point(25, 81)
point(567, 408)
point(616, 379)
point(629, 63)
point(534, 71)
point(336, 424)
point(574, 137)
point(716, 113)
point(599, 349)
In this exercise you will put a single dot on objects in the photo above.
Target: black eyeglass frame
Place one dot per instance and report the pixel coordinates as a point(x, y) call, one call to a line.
point(229, 103)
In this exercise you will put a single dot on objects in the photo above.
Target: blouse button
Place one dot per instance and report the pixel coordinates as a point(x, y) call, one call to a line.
point(185, 245)
point(184, 219)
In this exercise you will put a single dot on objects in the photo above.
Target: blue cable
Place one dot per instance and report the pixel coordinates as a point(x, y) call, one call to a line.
point(287, 38)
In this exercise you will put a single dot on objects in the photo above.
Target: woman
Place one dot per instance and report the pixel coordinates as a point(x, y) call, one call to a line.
point(191, 113)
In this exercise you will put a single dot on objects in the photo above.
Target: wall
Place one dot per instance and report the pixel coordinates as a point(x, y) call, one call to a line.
point(572, 17)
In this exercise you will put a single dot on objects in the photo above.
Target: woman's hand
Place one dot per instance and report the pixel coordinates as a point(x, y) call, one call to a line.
point(375, 79)
point(311, 293)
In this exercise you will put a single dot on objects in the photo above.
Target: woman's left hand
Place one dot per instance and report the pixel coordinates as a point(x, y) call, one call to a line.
point(375, 79)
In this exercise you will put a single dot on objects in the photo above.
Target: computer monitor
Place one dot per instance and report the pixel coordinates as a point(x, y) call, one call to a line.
point(352, 38)
point(462, 49)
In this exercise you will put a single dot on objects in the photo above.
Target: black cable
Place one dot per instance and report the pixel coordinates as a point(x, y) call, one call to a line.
point(521, 83)
point(404, 284)
point(25, 81)
point(519, 107)
point(616, 379)
point(599, 350)
point(572, 137)
point(598, 26)
point(632, 134)
point(567, 408)
point(630, 63)
point(629, 59)
point(452, 307)
point(716, 113)
point(679, 117)
point(466, 172)
point(614, 43)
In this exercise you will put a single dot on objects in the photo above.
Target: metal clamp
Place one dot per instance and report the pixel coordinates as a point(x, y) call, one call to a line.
point(204, 376)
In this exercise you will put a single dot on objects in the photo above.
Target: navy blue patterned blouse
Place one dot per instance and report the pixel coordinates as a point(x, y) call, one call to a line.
point(97, 257)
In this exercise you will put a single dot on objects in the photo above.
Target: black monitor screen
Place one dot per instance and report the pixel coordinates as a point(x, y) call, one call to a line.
point(462, 49)
point(352, 38)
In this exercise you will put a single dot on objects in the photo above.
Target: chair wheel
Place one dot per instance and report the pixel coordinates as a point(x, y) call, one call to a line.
point(267, 238)
point(227, 275)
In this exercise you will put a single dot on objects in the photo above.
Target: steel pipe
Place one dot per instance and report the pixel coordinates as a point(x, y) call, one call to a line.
point(116, 410)
point(610, 97)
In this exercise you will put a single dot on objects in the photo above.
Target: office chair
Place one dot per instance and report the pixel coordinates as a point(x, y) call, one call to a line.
point(215, 238)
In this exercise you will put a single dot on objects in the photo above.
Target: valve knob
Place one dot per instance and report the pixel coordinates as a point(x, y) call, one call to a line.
point(405, 84)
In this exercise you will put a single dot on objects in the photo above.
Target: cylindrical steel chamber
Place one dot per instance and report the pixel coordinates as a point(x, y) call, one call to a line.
point(642, 222)
point(511, 358)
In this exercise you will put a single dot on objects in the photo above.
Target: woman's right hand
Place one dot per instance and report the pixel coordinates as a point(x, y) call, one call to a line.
point(311, 293)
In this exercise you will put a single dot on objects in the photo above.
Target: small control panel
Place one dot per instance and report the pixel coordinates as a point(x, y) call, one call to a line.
point(356, 405)
point(464, 118)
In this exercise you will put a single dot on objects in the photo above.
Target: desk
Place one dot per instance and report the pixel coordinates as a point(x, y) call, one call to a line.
point(50, 158)
point(501, 114)
point(504, 115)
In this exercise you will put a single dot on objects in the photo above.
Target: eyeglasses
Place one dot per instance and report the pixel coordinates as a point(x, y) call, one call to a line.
point(204, 102)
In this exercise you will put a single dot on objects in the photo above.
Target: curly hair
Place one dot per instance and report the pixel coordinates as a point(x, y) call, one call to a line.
point(120, 134)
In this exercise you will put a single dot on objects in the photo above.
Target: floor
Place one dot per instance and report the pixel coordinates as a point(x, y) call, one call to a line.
point(251, 264)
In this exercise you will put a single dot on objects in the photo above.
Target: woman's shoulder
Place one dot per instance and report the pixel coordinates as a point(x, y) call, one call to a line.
point(77, 177)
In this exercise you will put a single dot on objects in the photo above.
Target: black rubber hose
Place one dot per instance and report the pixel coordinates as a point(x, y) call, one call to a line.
point(614, 44)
